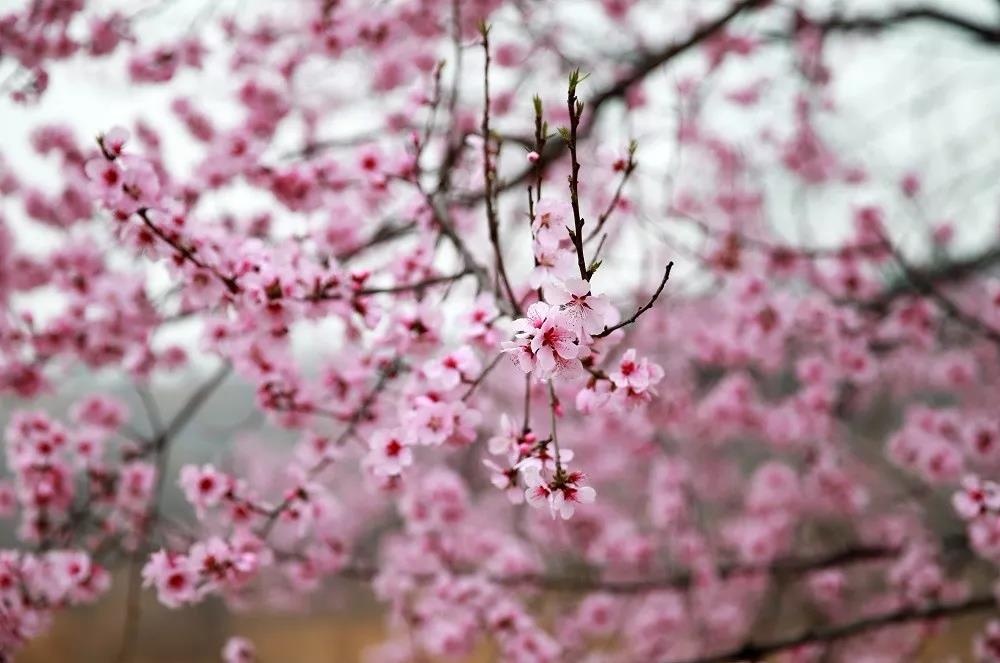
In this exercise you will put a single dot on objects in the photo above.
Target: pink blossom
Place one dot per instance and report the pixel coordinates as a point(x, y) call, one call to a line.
point(505, 479)
point(544, 339)
point(459, 366)
point(976, 498)
point(589, 314)
point(238, 650)
point(174, 580)
point(552, 264)
point(551, 219)
point(204, 487)
point(389, 454)
point(561, 493)
point(637, 375)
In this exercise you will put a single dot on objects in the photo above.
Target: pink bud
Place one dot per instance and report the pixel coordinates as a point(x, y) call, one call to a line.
point(533, 157)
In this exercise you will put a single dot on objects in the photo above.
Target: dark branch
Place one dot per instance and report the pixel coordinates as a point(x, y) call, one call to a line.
point(194, 403)
point(791, 566)
point(489, 178)
point(954, 312)
point(757, 652)
point(419, 285)
point(575, 109)
point(642, 68)
point(642, 309)
point(983, 32)
point(951, 272)
point(188, 254)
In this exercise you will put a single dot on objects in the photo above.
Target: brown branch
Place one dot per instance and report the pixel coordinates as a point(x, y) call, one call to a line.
point(655, 59)
point(989, 34)
point(756, 652)
point(541, 138)
point(951, 272)
point(188, 254)
point(447, 229)
point(575, 107)
point(385, 233)
point(791, 566)
point(629, 168)
point(160, 446)
point(489, 177)
point(390, 371)
point(194, 403)
point(953, 311)
point(133, 608)
point(553, 406)
point(482, 376)
point(419, 285)
point(640, 69)
point(777, 248)
point(642, 309)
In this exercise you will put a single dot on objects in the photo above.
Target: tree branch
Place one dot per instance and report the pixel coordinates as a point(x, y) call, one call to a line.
point(989, 34)
point(489, 178)
point(642, 68)
point(642, 309)
point(575, 109)
point(756, 652)
point(950, 272)
point(950, 308)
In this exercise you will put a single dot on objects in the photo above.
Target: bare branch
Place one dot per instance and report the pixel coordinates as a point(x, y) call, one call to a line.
point(489, 178)
point(756, 652)
point(989, 34)
point(642, 68)
point(642, 309)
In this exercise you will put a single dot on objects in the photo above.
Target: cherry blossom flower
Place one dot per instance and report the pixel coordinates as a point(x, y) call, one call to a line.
point(360, 290)
point(389, 454)
point(238, 650)
point(552, 264)
point(549, 225)
point(561, 493)
point(174, 580)
point(588, 314)
point(634, 380)
point(976, 498)
point(544, 339)
point(505, 479)
point(204, 487)
point(454, 368)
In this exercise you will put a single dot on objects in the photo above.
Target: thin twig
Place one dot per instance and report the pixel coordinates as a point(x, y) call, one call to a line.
point(954, 312)
point(553, 403)
point(989, 34)
point(642, 68)
point(791, 566)
point(642, 309)
point(194, 403)
point(489, 177)
point(482, 376)
point(419, 285)
point(188, 254)
point(359, 414)
point(627, 171)
point(575, 107)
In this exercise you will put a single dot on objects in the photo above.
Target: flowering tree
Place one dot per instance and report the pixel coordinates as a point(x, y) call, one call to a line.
point(437, 241)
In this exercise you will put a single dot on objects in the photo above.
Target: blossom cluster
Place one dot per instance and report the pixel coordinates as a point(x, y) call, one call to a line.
point(432, 356)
